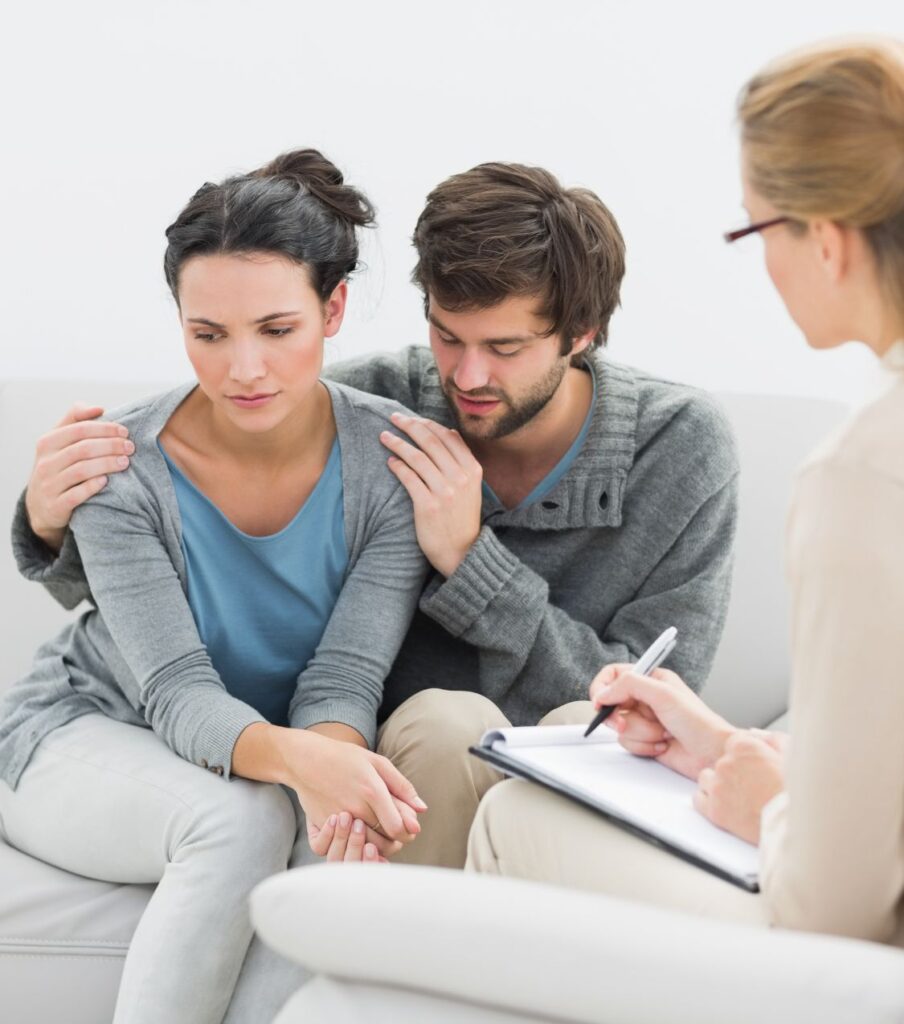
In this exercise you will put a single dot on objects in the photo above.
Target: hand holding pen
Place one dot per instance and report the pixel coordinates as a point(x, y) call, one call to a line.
point(651, 659)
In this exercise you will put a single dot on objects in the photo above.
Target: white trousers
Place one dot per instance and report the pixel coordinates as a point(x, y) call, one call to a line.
point(113, 802)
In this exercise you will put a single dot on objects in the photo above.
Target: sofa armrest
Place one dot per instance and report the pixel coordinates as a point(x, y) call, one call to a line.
point(574, 956)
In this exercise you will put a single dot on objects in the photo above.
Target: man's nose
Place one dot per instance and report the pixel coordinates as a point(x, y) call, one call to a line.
point(472, 371)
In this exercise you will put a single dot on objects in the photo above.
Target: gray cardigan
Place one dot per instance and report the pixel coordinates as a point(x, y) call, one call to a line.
point(636, 536)
point(137, 656)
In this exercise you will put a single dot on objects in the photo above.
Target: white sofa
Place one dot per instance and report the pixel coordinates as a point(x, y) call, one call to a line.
point(63, 938)
point(444, 947)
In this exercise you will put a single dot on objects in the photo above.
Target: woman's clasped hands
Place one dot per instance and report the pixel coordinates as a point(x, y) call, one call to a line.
point(379, 806)
point(737, 771)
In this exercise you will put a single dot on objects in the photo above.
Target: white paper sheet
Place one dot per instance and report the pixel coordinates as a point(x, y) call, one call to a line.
point(639, 790)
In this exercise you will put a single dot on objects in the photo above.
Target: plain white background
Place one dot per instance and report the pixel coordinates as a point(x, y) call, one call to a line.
point(116, 113)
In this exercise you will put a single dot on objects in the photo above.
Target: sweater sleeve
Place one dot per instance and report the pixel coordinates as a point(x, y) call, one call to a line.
point(141, 601)
point(529, 646)
point(831, 845)
point(343, 682)
point(61, 573)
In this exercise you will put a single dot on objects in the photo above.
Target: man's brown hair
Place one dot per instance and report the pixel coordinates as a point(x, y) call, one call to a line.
point(501, 230)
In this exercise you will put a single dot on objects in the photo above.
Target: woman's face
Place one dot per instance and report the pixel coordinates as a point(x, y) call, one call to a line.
point(254, 330)
point(797, 266)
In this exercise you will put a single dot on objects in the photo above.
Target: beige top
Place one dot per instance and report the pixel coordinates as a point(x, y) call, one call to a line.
point(832, 845)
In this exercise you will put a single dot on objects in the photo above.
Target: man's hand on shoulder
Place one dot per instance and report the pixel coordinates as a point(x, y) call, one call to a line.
point(72, 463)
point(444, 481)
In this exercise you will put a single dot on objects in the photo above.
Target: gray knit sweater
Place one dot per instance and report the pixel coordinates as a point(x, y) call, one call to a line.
point(636, 536)
point(137, 656)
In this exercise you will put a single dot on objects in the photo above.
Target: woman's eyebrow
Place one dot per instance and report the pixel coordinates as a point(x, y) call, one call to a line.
point(276, 316)
point(260, 320)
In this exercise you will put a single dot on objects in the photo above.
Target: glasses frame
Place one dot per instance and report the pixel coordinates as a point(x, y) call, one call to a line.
point(761, 225)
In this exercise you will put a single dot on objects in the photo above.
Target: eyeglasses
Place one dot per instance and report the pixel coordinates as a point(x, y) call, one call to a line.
point(733, 236)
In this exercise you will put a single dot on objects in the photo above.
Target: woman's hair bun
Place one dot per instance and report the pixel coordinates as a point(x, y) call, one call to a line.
point(312, 171)
point(297, 206)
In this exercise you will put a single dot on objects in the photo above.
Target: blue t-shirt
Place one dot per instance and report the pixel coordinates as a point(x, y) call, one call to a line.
point(561, 467)
point(261, 604)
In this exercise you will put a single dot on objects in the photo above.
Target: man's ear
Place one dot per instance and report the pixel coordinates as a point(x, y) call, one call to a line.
point(334, 310)
point(582, 343)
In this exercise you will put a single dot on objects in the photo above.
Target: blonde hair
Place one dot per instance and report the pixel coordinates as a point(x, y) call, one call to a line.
point(823, 137)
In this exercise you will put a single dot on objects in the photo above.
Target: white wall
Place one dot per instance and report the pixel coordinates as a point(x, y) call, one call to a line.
point(115, 113)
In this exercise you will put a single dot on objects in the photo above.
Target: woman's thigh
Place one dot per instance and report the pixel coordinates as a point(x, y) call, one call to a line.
point(525, 831)
point(112, 801)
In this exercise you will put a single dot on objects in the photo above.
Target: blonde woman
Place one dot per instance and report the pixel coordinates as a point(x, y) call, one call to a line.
point(823, 174)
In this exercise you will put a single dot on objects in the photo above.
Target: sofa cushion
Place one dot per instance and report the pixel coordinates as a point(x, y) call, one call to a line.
point(63, 939)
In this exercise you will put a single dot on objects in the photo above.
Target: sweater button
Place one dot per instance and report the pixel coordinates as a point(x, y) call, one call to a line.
point(550, 505)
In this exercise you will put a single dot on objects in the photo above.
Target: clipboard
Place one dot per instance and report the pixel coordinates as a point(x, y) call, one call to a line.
point(634, 793)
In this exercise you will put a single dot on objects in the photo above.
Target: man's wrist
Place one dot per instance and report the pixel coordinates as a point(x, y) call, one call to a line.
point(52, 537)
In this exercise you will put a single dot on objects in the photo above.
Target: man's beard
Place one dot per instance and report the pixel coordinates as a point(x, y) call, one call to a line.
point(517, 414)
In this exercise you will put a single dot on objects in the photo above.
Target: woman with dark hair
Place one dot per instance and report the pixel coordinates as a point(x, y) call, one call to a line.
point(822, 136)
point(253, 574)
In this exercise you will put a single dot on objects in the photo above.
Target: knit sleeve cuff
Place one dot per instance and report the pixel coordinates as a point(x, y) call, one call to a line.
point(362, 719)
point(458, 601)
point(218, 736)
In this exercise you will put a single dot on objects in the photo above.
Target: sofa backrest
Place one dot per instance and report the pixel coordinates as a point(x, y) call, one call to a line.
point(749, 680)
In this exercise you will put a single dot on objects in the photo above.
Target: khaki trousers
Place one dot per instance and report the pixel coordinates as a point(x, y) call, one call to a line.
point(427, 739)
point(525, 831)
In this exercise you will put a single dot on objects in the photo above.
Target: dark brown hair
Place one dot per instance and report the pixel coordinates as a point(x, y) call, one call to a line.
point(297, 206)
point(502, 230)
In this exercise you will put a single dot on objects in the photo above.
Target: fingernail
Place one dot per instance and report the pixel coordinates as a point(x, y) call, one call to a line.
point(331, 821)
point(123, 432)
point(662, 747)
point(122, 461)
point(359, 826)
point(345, 819)
point(130, 448)
point(419, 804)
point(370, 851)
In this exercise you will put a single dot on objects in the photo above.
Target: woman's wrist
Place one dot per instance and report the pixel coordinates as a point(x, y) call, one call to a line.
point(722, 731)
point(270, 753)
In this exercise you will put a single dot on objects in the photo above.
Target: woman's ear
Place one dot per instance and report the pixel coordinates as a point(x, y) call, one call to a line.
point(334, 310)
point(834, 246)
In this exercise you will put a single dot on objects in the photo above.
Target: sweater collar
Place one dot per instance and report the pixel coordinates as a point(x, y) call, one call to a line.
point(592, 491)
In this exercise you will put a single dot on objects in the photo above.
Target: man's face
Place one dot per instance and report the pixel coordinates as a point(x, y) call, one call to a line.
point(498, 368)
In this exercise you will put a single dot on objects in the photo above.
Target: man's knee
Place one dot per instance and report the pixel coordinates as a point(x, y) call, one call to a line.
point(448, 721)
point(578, 712)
